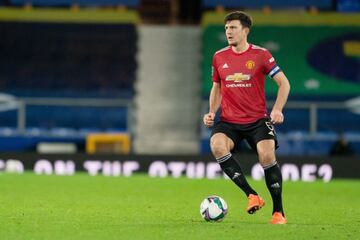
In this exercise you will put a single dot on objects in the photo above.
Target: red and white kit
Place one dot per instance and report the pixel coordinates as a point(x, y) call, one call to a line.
point(242, 78)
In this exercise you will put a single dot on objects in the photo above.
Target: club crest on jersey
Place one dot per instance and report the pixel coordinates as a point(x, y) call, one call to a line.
point(250, 64)
point(238, 77)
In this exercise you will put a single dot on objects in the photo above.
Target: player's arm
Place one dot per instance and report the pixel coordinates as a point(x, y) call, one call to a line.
point(282, 96)
point(214, 104)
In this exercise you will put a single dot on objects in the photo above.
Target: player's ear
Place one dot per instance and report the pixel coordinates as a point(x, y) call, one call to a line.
point(246, 30)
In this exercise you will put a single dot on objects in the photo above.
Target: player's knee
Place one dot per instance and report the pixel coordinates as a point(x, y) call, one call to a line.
point(219, 148)
point(266, 157)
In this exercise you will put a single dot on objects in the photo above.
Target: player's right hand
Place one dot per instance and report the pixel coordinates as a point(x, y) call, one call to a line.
point(208, 119)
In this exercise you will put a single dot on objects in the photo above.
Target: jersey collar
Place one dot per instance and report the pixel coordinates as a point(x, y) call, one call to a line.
point(250, 46)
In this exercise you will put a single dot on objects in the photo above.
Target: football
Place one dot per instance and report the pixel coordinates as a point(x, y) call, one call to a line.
point(213, 209)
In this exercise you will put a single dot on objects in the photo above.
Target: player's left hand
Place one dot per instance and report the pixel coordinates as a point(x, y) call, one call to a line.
point(276, 116)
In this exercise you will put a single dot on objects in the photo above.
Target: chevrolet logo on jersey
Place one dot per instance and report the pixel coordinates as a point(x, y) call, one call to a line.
point(238, 77)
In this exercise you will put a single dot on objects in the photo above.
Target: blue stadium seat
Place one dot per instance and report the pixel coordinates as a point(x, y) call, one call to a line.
point(348, 5)
point(68, 58)
point(74, 117)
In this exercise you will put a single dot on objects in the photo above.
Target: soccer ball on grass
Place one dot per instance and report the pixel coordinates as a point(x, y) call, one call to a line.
point(213, 209)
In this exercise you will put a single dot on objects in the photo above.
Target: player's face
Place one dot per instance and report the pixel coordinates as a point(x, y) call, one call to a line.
point(235, 33)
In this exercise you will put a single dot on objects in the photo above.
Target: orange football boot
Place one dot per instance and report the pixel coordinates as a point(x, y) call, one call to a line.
point(255, 203)
point(278, 218)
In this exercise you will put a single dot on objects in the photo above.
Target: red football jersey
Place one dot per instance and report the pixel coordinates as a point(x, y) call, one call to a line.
point(242, 78)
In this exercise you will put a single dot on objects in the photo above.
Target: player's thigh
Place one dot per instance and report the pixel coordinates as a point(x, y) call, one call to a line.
point(221, 144)
point(261, 130)
point(266, 151)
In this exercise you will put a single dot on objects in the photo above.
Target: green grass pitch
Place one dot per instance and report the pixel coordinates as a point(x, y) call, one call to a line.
point(139, 207)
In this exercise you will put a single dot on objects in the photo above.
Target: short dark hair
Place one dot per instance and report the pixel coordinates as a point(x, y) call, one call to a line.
point(244, 18)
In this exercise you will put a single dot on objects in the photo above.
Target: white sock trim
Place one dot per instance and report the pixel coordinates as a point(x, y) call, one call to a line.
point(270, 165)
point(224, 158)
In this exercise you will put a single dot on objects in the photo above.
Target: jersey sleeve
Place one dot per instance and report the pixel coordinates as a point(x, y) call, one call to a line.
point(214, 72)
point(270, 66)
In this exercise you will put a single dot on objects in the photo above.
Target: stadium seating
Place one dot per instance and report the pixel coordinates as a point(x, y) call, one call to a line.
point(68, 57)
point(348, 5)
point(75, 117)
point(63, 60)
point(68, 60)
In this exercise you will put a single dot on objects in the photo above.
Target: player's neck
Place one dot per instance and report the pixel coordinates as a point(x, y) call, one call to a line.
point(240, 48)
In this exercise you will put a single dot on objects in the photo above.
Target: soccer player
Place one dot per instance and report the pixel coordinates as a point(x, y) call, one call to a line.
point(238, 74)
